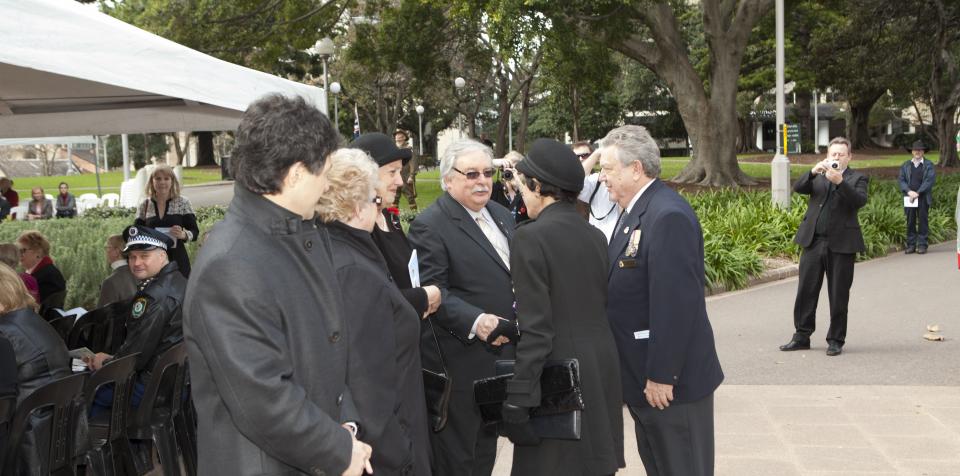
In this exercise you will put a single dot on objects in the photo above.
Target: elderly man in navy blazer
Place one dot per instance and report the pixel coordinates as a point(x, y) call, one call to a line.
point(656, 307)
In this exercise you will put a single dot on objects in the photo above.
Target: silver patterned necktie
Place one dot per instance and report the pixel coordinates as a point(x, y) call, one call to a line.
point(494, 239)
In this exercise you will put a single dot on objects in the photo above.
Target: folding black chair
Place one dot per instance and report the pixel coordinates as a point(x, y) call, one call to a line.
point(51, 302)
point(60, 397)
point(7, 406)
point(110, 449)
point(63, 325)
point(92, 330)
point(162, 400)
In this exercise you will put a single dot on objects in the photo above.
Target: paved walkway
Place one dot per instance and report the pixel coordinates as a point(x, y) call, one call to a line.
point(889, 405)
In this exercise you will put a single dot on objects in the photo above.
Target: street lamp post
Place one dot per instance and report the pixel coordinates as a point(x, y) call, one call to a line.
point(324, 47)
point(335, 89)
point(459, 83)
point(419, 109)
point(780, 166)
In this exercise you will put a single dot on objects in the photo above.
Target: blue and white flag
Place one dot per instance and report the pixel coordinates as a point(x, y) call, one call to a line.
point(356, 122)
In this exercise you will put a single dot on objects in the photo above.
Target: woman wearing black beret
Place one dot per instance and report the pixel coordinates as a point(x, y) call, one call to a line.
point(559, 265)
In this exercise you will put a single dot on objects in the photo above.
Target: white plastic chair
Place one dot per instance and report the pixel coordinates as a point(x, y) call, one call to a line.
point(87, 201)
point(21, 211)
point(110, 200)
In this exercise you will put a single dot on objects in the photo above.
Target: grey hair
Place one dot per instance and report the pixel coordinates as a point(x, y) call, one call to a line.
point(632, 143)
point(352, 178)
point(842, 141)
point(453, 151)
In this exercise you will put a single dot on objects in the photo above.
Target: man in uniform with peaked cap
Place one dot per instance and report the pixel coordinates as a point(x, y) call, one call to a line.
point(154, 323)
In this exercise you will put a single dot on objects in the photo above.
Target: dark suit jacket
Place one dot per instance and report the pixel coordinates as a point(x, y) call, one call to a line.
point(844, 225)
point(926, 186)
point(660, 289)
point(121, 285)
point(457, 257)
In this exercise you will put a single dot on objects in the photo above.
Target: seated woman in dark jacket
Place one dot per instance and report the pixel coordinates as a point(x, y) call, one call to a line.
point(35, 259)
point(41, 357)
point(66, 202)
point(384, 374)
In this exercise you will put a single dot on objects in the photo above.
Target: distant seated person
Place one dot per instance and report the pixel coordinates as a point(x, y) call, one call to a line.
point(41, 357)
point(39, 208)
point(66, 202)
point(154, 323)
point(35, 259)
point(121, 285)
point(4, 208)
point(10, 256)
point(7, 192)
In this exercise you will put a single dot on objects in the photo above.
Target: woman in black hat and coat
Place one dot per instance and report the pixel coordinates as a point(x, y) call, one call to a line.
point(388, 232)
point(559, 267)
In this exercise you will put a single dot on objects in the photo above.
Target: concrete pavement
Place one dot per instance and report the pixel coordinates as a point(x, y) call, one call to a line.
point(890, 404)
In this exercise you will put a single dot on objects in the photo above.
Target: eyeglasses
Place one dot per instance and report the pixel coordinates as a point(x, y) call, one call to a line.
point(473, 174)
point(378, 200)
point(583, 155)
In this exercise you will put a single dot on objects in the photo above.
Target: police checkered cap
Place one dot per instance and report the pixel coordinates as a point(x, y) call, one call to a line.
point(145, 238)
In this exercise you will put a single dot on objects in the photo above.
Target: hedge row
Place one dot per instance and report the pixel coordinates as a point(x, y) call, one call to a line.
point(740, 229)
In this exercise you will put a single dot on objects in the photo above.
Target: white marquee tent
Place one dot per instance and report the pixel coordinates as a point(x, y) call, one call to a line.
point(67, 69)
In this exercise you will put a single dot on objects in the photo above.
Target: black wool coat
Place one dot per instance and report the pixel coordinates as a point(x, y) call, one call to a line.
point(559, 266)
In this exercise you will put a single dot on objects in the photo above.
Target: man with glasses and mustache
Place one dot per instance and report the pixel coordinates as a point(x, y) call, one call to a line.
point(463, 245)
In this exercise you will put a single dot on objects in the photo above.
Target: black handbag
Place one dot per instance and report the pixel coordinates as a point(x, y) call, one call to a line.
point(559, 414)
point(437, 388)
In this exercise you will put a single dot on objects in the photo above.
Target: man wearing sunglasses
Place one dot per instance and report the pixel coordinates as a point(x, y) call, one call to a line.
point(463, 245)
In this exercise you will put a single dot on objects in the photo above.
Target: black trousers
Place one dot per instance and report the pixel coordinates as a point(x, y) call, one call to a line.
point(677, 440)
point(465, 447)
point(818, 261)
point(917, 227)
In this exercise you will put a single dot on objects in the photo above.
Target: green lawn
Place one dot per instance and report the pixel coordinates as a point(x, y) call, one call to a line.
point(109, 181)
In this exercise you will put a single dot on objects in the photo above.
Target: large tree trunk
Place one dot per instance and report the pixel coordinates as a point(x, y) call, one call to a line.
point(858, 131)
point(575, 112)
point(747, 137)
point(503, 112)
point(945, 84)
point(205, 149)
point(710, 120)
point(947, 130)
point(521, 143)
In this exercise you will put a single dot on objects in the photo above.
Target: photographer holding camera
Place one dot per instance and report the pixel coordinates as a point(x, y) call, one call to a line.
point(506, 190)
point(831, 238)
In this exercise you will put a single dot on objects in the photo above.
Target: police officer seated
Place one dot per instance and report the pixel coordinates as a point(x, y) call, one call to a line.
point(154, 323)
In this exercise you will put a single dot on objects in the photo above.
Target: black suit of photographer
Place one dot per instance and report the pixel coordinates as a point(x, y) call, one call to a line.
point(830, 236)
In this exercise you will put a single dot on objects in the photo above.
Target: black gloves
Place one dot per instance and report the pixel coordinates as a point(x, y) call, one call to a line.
point(506, 328)
point(516, 425)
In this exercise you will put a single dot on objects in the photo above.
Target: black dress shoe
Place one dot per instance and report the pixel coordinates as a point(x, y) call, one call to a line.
point(795, 345)
point(910, 250)
point(922, 250)
point(834, 349)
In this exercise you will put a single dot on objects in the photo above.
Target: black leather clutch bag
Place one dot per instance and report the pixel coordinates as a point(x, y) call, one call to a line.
point(561, 399)
point(436, 389)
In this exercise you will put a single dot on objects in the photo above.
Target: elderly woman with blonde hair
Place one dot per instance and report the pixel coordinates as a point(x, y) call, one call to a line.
point(41, 357)
point(385, 374)
point(35, 259)
point(167, 211)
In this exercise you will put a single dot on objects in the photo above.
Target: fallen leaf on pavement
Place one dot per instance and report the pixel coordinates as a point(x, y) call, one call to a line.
point(935, 337)
point(933, 328)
